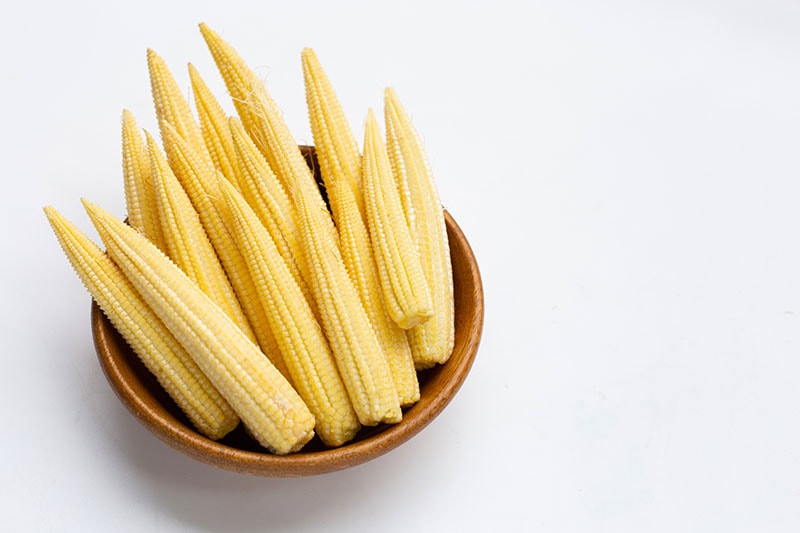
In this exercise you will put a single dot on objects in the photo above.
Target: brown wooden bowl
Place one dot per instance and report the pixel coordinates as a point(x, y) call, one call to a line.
point(149, 403)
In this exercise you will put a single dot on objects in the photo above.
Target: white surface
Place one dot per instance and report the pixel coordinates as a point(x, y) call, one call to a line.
point(627, 173)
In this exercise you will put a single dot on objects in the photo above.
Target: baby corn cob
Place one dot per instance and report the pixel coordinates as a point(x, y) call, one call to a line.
point(270, 202)
point(139, 194)
point(200, 181)
point(258, 182)
point(266, 403)
point(172, 108)
point(260, 115)
point(152, 342)
point(337, 153)
point(336, 146)
point(405, 289)
point(214, 127)
point(355, 347)
point(431, 342)
point(302, 342)
point(241, 82)
point(186, 240)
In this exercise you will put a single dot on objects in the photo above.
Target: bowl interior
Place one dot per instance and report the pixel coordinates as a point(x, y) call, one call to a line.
point(149, 403)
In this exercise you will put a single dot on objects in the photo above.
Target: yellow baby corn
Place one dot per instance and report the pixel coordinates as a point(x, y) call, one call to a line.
point(405, 289)
point(200, 181)
point(266, 403)
point(336, 146)
point(431, 342)
point(139, 194)
point(240, 81)
point(171, 106)
point(214, 126)
point(152, 342)
point(259, 185)
point(186, 240)
point(302, 342)
point(260, 115)
point(337, 153)
point(269, 200)
point(355, 347)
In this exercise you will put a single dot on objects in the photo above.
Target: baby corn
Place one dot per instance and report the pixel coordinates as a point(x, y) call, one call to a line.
point(405, 289)
point(186, 240)
point(355, 347)
point(252, 293)
point(152, 342)
point(241, 82)
point(340, 162)
point(336, 146)
point(266, 403)
point(270, 202)
point(432, 341)
point(200, 181)
point(300, 338)
point(139, 194)
point(171, 106)
point(260, 115)
point(214, 127)
point(358, 355)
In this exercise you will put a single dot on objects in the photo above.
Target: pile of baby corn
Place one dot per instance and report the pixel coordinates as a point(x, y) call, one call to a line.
point(246, 296)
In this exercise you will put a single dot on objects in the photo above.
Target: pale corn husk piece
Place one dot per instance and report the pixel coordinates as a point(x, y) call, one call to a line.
point(300, 338)
point(200, 181)
point(144, 332)
point(139, 194)
point(187, 242)
point(431, 342)
point(405, 290)
point(268, 406)
point(340, 167)
point(214, 127)
point(172, 107)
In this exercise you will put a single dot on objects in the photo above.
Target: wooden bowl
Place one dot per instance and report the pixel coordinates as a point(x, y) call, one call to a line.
point(148, 402)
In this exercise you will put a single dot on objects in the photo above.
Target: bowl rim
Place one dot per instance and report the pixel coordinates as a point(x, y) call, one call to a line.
point(187, 440)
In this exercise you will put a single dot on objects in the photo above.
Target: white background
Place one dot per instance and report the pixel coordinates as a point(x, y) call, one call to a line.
point(628, 175)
